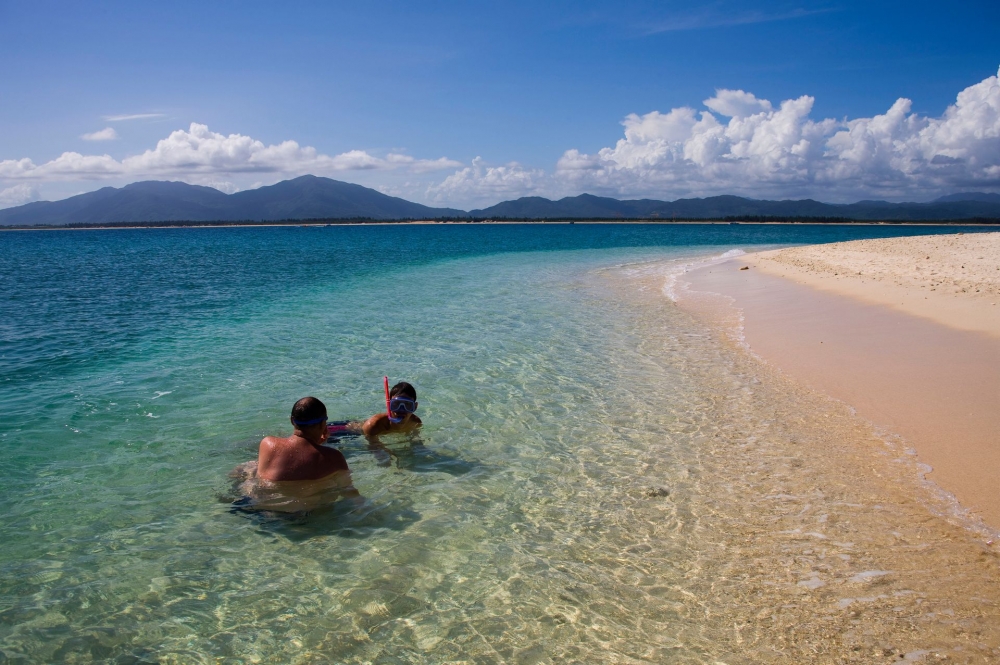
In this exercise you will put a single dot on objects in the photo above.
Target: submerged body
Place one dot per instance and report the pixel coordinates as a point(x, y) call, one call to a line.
point(289, 496)
point(298, 472)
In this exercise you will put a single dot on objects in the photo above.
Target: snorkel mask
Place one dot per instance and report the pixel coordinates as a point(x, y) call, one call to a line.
point(397, 408)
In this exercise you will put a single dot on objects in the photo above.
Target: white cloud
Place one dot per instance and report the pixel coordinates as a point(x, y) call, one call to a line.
point(198, 152)
point(737, 104)
point(421, 165)
point(734, 142)
point(67, 166)
point(480, 184)
point(132, 116)
point(223, 186)
point(764, 151)
point(18, 195)
point(106, 134)
point(741, 144)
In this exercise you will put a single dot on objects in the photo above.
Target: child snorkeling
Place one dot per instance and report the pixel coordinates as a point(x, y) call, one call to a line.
point(399, 415)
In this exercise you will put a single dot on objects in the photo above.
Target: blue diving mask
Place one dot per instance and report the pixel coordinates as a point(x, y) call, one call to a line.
point(399, 407)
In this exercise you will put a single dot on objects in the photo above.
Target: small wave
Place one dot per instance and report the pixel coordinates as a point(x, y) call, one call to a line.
point(161, 393)
point(731, 253)
point(672, 275)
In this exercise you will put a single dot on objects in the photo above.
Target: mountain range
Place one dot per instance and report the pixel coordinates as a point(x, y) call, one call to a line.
point(314, 198)
point(307, 197)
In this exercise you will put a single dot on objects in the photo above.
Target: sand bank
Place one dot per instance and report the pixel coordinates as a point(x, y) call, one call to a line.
point(911, 342)
point(950, 279)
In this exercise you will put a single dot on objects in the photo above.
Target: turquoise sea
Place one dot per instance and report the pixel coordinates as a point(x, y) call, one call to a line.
point(596, 479)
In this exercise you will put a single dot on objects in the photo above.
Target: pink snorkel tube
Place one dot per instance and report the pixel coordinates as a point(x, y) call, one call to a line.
point(388, 412)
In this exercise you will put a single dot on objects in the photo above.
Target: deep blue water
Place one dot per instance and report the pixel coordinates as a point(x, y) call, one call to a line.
point(74, 298)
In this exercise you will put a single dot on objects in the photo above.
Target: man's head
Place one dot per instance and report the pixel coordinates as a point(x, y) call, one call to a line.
point(309, 417)
point(402, 401)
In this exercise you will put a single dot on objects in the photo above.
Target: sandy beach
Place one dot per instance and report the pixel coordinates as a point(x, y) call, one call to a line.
point(904, 330)
point(953, 280)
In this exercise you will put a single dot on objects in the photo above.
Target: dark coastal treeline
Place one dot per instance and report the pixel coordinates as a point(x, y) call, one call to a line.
point(973, 221)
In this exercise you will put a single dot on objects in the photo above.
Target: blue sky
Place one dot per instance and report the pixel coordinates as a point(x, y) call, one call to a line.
point(466, 104)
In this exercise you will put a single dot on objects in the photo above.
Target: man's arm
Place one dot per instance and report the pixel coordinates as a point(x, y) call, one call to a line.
point(244, 471)
point(335, 459)
point(347, 489)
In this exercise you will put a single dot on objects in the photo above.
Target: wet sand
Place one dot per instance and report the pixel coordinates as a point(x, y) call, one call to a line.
point(920, 364)
point(821, 542)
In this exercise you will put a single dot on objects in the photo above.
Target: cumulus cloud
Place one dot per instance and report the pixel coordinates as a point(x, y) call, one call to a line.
point(737, 104)
point(480, 184)
point(733, 142)
point(766, 151)
point(223, 186)
point(198, 152)
point(106, 134)
point(18, 195)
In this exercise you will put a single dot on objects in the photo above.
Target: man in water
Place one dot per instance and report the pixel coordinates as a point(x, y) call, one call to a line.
point(302, 455)
point(298, 472)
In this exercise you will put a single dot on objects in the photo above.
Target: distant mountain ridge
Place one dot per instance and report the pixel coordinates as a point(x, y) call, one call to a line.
point(312, 197)
point(963, 206)
point(305, 197)
point(969, 196)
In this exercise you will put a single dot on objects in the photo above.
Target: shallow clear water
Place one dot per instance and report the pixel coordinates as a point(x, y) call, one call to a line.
point(600, 477)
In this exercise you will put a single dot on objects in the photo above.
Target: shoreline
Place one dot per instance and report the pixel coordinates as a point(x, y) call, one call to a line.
point(640, 222)
point(920, 365)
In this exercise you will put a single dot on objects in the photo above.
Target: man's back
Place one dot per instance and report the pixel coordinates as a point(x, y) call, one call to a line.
point(298, 473)
point(295, 458)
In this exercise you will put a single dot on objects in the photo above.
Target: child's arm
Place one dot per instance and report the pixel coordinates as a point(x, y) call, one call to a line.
point(342, 427)
point(377, 424)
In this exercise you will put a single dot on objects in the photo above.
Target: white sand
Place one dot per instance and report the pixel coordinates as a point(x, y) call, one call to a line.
point(951, 279)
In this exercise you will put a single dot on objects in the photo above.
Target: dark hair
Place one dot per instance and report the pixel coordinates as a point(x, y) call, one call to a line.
point(403, 389)
point(308, 408)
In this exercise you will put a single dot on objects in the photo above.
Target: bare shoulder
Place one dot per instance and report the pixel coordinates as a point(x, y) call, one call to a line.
point(374, 425)
point(270, 442)
point(270, 450)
